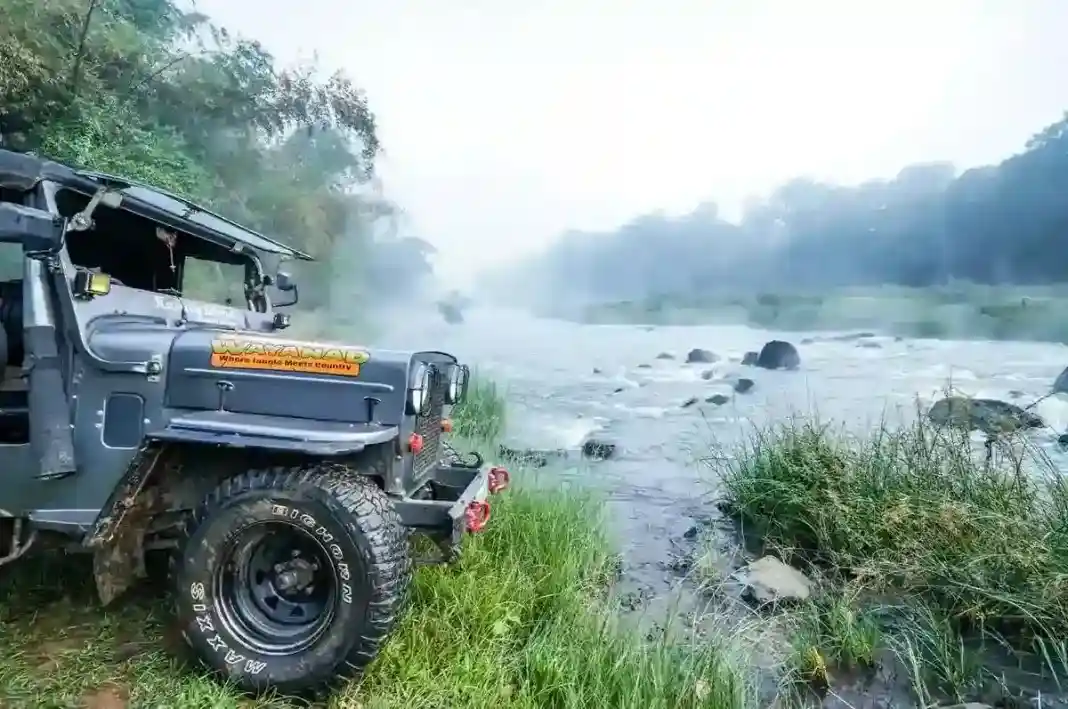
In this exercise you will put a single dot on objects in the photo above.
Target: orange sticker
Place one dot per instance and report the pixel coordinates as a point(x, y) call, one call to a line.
point(288, 357)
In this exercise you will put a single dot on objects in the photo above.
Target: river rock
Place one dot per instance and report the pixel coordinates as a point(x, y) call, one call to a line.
point(778, 354)
point(530, 456)
point(699, 356)
point(990, 416)
point(869, 344)
point(689, 402)
point(450, 313)
point(1060, 385)
point(597, 449)
point(708, 374)
point(769, 580)
point(718, 399)
point(749, 359)
point(743, 385)
point(665, 355)
point(645, 366)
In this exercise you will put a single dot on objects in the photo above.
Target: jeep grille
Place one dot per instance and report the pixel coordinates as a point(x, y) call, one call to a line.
point(429, 426)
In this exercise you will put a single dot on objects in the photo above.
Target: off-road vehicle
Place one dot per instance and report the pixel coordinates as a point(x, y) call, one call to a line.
point(287, 476)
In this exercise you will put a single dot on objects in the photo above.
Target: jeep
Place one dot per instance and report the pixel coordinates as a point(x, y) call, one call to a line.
point(286, 479)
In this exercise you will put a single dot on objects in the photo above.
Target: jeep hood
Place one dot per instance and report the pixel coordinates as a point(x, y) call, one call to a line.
point(256, 374)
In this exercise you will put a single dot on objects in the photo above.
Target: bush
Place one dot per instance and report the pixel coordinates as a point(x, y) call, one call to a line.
point(914, 524)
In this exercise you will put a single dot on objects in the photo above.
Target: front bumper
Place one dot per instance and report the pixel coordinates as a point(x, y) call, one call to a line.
point(459, 501)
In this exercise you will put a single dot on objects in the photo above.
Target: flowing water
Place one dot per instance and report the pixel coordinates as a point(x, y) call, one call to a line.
point(566, 381)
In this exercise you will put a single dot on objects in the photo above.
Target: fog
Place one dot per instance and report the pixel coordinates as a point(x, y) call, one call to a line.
point(504, 126)
point(928, 225)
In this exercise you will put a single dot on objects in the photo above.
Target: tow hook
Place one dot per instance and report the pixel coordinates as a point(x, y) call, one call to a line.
point(498, 480)
point(477, 515)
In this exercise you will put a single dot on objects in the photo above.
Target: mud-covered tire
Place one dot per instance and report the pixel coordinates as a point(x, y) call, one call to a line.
point(366, 555)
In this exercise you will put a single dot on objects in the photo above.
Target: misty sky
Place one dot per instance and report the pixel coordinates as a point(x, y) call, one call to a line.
point(506, 123)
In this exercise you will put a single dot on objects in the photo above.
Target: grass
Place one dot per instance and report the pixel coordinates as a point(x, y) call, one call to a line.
point(526, 622)
point(952, 565)
point(482, 416)
point(954, 311)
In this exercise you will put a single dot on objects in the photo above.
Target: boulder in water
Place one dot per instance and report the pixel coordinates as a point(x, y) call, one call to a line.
point(1060, 385)
point(697, 355)
point(665, 355)
point(596, 449)
point(990, 416)
point(689, 402)
point(450, 313)
point(778, 354)
point(529, 456)
point(645, 366)
point(768, 580)
point(708, 374)
point(750, 359)
point(743, 385)
point(718, 399)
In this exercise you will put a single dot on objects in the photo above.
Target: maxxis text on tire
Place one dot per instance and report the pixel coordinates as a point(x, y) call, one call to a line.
point(291, 578)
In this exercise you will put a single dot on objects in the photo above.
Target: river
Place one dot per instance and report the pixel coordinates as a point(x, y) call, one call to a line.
point(566, 381)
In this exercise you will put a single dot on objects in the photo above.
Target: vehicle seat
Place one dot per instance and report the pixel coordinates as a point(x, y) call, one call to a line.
point(12, 349)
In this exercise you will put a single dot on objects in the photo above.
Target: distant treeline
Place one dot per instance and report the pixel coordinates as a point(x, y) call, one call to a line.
point(998, 224)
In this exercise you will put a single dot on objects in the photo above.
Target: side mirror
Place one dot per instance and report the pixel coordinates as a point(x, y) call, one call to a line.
point(285, 284)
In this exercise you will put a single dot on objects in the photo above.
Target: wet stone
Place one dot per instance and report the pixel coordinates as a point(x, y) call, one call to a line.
point(743, 385)
point(769, 580)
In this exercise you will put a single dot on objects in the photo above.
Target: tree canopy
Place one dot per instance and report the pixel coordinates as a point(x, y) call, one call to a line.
point(928, 225)
point(143, 89)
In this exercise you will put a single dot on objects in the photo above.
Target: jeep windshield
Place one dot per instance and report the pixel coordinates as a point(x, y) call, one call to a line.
point(161, 256)
point(153, 202)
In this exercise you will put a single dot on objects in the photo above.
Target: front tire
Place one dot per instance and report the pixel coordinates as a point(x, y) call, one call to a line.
point(291, 578)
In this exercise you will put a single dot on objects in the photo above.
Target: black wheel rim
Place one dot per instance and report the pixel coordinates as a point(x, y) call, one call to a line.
point(276, 588)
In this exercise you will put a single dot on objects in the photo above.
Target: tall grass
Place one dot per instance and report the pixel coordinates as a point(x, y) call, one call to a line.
point(525, 624)
point(911, 524)
point(482, 416)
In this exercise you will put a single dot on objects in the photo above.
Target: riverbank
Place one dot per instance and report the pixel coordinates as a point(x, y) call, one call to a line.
point(932, 571)
point(526, 621)
point(956, 311)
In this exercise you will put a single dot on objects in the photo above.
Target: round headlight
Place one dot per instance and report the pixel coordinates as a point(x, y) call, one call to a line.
point(419, 393)
point(457, 388)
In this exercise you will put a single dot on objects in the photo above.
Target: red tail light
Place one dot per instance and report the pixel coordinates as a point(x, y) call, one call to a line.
point(477, 515)
point(415, 443)
point(498, 480)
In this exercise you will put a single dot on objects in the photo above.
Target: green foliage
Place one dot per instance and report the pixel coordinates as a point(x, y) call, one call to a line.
point(147, 90)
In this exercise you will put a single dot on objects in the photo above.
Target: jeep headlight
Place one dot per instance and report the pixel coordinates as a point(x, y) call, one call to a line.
point(419, 392)
point(457, 389)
